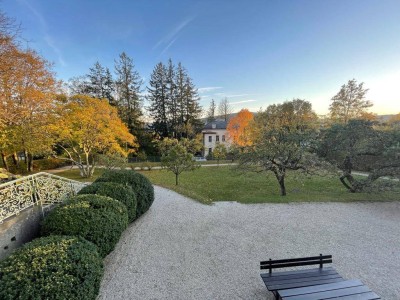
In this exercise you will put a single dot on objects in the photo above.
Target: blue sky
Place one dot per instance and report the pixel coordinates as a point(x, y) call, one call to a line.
point(254, 52)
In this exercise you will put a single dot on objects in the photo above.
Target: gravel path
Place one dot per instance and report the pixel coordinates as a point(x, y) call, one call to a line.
point(181, 249)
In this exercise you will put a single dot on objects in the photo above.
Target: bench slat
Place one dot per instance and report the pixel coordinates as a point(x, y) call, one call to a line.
point(330, 294)
point(319, 288)
point(295, 259)
point(298, 280)
point(363, 296)
point(296, 285)
point(322, 272)
point(296, 264)
point(295, 272)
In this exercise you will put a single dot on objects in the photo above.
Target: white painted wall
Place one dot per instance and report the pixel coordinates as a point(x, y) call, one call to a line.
point(214, 133)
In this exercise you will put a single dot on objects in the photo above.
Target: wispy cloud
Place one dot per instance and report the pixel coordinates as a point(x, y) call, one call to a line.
point(56, 50)
point(169, 39)
point(208, 89)
point(237, 95)
point(244, 101)
point(47, 38)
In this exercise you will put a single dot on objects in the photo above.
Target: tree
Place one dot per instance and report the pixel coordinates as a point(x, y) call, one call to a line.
point(157, 96)
point(176, 157)
point(128, 89)
point(211, 111)
point(101, 84)
point(349, 146)
point(27, 88)
point(219, 152)
point(349, 103)
point(174, 102)
point(224, 109)
point(87, 127)
point(238, 128)
point(281, 136)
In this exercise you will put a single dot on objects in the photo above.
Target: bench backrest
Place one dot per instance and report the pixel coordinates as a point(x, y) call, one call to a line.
point(295, 262)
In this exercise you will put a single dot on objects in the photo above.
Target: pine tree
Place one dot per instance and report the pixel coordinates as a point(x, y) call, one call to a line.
point(158, 98)
point(192, 109)
point(172, 102)
point(128, 88)
point(211, 111)
point(100, 83)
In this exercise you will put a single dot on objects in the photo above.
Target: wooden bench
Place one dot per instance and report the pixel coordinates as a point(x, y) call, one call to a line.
point(343, 290)
point(311, 284)
point(275, 281)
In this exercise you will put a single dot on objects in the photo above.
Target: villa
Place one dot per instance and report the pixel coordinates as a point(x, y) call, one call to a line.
point(213, 133)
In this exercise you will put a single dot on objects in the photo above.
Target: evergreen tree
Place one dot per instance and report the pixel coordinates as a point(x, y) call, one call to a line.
point(192, 110)
point(128, 88)
point(158, 98)
point(172, 102)
point(100, 83)
point(211, 111)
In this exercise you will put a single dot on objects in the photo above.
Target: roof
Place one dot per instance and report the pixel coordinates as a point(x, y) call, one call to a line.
point(218, 124)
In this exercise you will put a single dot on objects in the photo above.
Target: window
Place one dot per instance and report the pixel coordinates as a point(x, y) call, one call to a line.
point(210, 151)
point(223, 138)
point(213, 125)
point(210, 138)
point(217, 138)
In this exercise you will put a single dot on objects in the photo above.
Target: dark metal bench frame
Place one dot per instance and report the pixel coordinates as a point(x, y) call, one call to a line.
point(294, 262)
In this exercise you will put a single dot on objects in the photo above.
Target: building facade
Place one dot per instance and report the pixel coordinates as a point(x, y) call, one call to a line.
point(213, 133)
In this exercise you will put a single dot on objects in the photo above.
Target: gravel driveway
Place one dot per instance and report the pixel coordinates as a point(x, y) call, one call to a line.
point(181, 249)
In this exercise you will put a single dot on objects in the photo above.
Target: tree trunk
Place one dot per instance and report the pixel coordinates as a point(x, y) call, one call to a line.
point(15, 159)
point(26, 160)
point(176, 179)
point(280, 176)
point(29, 163)
point(4, 159)
point(282, 185)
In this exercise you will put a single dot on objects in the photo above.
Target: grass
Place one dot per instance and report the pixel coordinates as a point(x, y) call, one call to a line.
point(74, 174)
point(223, 183)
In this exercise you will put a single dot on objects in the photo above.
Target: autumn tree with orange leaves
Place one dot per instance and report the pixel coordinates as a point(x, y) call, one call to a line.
point(27, 89)
point(88, 127)
point(238, 128)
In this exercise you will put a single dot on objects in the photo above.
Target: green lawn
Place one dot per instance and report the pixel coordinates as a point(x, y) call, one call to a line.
point(74, 174)
point(225, 184)
point(211, 184)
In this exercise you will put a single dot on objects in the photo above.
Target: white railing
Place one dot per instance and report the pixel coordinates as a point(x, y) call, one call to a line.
point(42, 189)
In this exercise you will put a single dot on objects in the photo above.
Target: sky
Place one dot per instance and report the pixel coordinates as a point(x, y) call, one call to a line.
point(254, 52)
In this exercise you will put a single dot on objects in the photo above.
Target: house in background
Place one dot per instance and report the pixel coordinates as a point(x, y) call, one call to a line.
point(213, 133)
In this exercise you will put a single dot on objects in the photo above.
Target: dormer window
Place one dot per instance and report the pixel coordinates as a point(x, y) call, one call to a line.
point(213, 125)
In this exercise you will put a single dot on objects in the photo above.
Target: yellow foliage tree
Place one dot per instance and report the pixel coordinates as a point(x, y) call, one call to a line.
point(238, 128)
point(87, 127)
point(27, 88)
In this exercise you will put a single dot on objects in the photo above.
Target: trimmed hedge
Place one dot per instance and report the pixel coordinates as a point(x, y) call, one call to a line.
point(140, 184)
point(98, 219)
point(116, 191)
point(55, 267)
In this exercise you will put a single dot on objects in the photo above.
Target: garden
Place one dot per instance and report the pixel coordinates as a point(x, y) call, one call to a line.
point(66, 261)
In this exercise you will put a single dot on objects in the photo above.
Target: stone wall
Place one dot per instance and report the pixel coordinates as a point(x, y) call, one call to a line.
point(18, 230)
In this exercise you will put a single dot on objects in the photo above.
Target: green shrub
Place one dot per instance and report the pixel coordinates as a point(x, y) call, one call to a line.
point(55, 267)
point(98, 219)
point(116, 191)
point(140, 184)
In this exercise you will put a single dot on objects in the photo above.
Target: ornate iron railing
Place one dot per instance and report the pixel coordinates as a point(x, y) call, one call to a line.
point(42, 189)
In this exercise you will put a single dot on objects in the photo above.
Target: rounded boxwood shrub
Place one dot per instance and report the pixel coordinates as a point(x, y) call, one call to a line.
point(140, 184)
point(98, 219)
point(116, 191)
point(55, 267)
